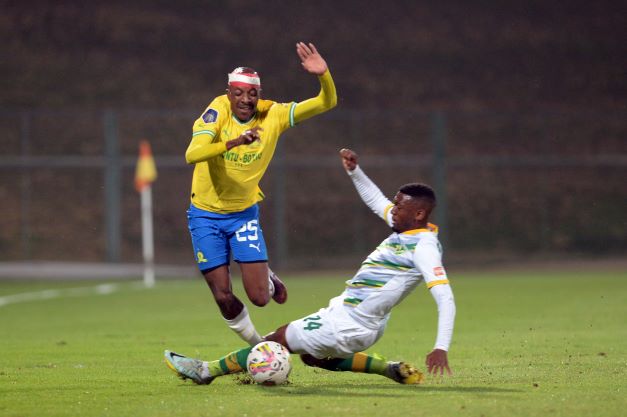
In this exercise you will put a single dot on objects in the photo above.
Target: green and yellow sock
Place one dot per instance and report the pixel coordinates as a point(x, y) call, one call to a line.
point(232, 363)
point(361, 362)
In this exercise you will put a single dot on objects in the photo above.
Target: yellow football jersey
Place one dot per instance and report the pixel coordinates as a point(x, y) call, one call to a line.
point(228, 181)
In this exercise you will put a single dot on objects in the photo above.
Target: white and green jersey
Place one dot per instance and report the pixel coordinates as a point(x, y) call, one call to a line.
point(396, 267)
point(402, 257)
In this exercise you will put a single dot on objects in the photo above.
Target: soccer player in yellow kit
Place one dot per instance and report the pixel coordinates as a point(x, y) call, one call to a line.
point(233, 142)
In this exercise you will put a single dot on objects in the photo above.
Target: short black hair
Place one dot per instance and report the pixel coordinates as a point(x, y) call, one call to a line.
point(419, 191)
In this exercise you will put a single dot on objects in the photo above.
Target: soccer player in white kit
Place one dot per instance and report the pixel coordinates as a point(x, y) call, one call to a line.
point(334, 338)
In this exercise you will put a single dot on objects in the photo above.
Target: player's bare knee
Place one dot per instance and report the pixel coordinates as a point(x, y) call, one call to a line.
point(256, 285)
point(259, 298)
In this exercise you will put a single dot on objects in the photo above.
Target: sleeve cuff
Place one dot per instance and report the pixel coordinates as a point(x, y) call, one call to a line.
point(357, 171)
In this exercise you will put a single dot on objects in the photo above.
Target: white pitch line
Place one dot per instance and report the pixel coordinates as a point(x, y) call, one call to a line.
point(101, 289)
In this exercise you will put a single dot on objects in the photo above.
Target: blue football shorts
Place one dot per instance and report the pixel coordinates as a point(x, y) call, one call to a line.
point(215, 237)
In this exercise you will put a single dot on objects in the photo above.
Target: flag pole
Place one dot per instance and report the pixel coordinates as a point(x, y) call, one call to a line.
point(145, 175)
point(147, 236)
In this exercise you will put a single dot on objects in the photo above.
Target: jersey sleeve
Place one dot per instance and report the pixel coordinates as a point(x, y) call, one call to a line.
point(325, 100)
point(428, 260)
point(205, 142)
point(283, 114)
point(371, 195)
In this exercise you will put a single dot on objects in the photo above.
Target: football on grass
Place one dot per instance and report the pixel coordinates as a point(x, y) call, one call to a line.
point(269, 363)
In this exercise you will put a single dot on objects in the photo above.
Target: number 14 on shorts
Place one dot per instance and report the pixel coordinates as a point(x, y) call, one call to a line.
point(313, 322)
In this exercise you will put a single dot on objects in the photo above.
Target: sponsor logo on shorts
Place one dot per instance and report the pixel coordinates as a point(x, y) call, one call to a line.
point(210, 116)
point(250, 245)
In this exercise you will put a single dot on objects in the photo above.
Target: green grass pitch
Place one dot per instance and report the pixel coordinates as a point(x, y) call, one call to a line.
point(541, 344)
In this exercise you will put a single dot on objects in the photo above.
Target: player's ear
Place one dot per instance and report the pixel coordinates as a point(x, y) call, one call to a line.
point(421, 214)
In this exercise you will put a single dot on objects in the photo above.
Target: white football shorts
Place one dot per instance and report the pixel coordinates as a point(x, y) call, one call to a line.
point(331, 333)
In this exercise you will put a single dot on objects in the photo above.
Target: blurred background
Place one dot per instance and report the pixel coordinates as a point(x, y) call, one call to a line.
point(514, 111)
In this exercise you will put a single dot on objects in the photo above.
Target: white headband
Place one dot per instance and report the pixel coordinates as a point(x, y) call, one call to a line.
point(241, 78)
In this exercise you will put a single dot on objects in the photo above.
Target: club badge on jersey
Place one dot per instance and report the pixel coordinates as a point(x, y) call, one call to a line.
point(210, 116)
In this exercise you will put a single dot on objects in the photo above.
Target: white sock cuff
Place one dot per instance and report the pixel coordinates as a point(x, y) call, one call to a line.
point(243, 326)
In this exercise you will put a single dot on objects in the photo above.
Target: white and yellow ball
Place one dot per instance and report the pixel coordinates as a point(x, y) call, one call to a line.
point(269, 363)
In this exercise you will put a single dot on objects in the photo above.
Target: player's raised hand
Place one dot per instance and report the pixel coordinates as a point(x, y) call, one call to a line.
point(349, 159)
point(310, 58)
point(437, 362)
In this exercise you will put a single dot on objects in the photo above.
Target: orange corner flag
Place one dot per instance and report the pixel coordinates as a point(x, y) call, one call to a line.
point(146, 170)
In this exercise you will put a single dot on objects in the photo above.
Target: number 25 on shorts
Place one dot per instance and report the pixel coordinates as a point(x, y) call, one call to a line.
point(251, 228)
point(312, 323)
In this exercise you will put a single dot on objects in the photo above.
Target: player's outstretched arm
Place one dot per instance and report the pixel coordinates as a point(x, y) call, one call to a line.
point(367, 190)
point(428, 260)
point(313, 63)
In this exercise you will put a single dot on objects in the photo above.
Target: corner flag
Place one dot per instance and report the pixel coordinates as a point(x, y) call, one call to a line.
point(146, 170)
point(145, 174)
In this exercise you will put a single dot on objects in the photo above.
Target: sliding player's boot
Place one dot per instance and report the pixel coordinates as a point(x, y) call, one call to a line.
point(404, 373)
point(187, 368)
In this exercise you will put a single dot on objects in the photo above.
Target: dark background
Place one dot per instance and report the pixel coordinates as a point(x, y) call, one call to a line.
point(402, 54)
point(526, 99)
